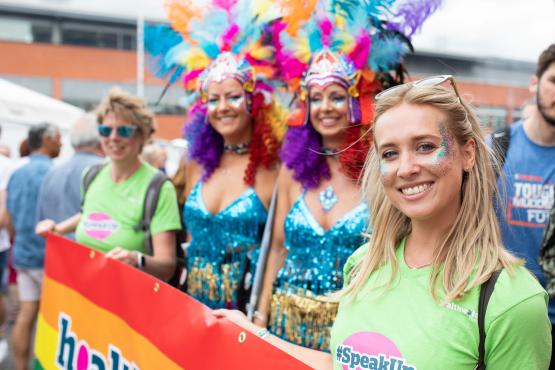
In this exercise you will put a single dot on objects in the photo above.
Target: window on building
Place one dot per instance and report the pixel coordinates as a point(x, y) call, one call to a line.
point(27, 30)
point(100, 36)
point(129, 42)
point(492, 118)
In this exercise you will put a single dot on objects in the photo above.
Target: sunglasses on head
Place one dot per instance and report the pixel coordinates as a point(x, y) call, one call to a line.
point(425, 82)
point(125, 131)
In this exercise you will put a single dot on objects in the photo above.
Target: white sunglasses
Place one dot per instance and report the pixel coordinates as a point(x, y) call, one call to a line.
point(428, 81)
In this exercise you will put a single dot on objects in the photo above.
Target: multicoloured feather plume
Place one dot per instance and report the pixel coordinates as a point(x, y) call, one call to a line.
point(374, 35)
point(198, 35)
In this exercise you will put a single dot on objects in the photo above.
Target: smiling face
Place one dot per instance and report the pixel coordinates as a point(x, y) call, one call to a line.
point(421, 163)
point(329, 109)
point(227, 110)
point(118, 148)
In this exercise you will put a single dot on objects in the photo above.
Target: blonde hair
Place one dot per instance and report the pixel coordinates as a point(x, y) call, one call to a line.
point(128, 107)
point(472, 249)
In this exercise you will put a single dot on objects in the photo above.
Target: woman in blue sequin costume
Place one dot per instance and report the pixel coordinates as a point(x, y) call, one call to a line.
point(233, 135)
point(320, 218)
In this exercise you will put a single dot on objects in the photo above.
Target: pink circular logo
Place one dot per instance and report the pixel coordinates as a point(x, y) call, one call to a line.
point(369, 350)
point(99, 225)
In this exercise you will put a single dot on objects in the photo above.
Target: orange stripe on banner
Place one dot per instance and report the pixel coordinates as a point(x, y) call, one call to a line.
point(97, 326)
point(179, 326)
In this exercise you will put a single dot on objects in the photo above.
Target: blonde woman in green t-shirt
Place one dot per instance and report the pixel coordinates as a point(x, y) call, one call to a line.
point(410, 299)
point(113, 203)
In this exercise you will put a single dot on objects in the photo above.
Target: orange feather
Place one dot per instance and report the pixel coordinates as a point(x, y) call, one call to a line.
point(296, 12)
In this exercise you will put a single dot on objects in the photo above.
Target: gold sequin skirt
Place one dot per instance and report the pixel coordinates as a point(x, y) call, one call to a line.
point(303, 318)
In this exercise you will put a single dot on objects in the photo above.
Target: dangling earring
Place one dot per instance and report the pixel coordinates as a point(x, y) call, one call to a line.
point(354, 110)
point(248, 102)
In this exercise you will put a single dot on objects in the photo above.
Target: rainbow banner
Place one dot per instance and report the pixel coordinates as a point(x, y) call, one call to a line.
point(100, 314)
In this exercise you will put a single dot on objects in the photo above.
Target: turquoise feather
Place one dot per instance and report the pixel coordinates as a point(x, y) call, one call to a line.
point(386, 53)
point(345, 8)
point(159, 40)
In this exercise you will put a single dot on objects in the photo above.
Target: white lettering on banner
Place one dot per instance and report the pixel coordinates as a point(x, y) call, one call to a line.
point(73, 353)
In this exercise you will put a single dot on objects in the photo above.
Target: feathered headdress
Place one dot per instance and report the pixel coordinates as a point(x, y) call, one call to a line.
point(356, 43)
point(211, 42)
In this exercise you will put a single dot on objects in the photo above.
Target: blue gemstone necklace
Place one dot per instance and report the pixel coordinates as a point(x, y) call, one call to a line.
point(328, 198)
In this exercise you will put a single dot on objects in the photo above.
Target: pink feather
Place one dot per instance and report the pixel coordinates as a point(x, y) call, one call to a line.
point(277, 27)
point(359, 55)
point(191, 75)
point(224, 4)
point(326, 26)
point(292, 67)
point(227, 37)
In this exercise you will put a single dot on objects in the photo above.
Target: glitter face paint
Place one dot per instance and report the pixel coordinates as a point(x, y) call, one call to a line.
point(338, 102)
point(384, 168)
point(442, 158)
point(235, 102)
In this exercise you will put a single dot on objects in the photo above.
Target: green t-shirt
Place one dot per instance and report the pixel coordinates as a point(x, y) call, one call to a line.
point(111, 210)
point(403, 327)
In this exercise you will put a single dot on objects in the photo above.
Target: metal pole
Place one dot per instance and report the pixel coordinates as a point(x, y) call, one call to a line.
point(262, 258)
point(140, 51)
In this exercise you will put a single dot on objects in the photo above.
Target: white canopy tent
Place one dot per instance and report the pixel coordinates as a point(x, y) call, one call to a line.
point(21, 108)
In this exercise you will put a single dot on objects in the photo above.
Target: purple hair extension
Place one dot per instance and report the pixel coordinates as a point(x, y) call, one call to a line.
point(300, 154)
point(205, 144)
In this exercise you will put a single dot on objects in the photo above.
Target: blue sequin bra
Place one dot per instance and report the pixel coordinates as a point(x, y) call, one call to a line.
point(223, 250)
point(314, 267)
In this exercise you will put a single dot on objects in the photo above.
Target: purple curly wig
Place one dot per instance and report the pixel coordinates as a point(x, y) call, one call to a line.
point(300, 154)
point(205, 144)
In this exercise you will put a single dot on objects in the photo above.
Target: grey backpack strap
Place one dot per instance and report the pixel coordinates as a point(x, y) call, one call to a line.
point(87, 179)
point(485, 294)
point(149, 208)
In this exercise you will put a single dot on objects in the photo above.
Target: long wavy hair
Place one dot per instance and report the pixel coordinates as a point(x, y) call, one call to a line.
point(472, 249)
point(206, 144)
point(302, 153)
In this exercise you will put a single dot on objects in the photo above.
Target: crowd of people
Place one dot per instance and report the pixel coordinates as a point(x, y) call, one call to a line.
point(359, 227)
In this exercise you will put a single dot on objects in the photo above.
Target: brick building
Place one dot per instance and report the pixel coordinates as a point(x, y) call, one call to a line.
point(77, 56)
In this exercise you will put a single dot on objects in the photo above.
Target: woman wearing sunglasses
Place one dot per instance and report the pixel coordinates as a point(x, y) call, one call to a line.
point(113, 202)
point(410, 298)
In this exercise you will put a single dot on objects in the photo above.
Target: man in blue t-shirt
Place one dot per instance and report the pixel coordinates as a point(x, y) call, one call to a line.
point(28, 248)
point(529, 173)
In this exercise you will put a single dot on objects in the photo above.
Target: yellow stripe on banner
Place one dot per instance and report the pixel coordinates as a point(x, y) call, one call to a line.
point(47, 337)
point(97, 326)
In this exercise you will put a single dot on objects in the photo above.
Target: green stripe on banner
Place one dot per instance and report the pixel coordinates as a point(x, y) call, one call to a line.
point(38, 365)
